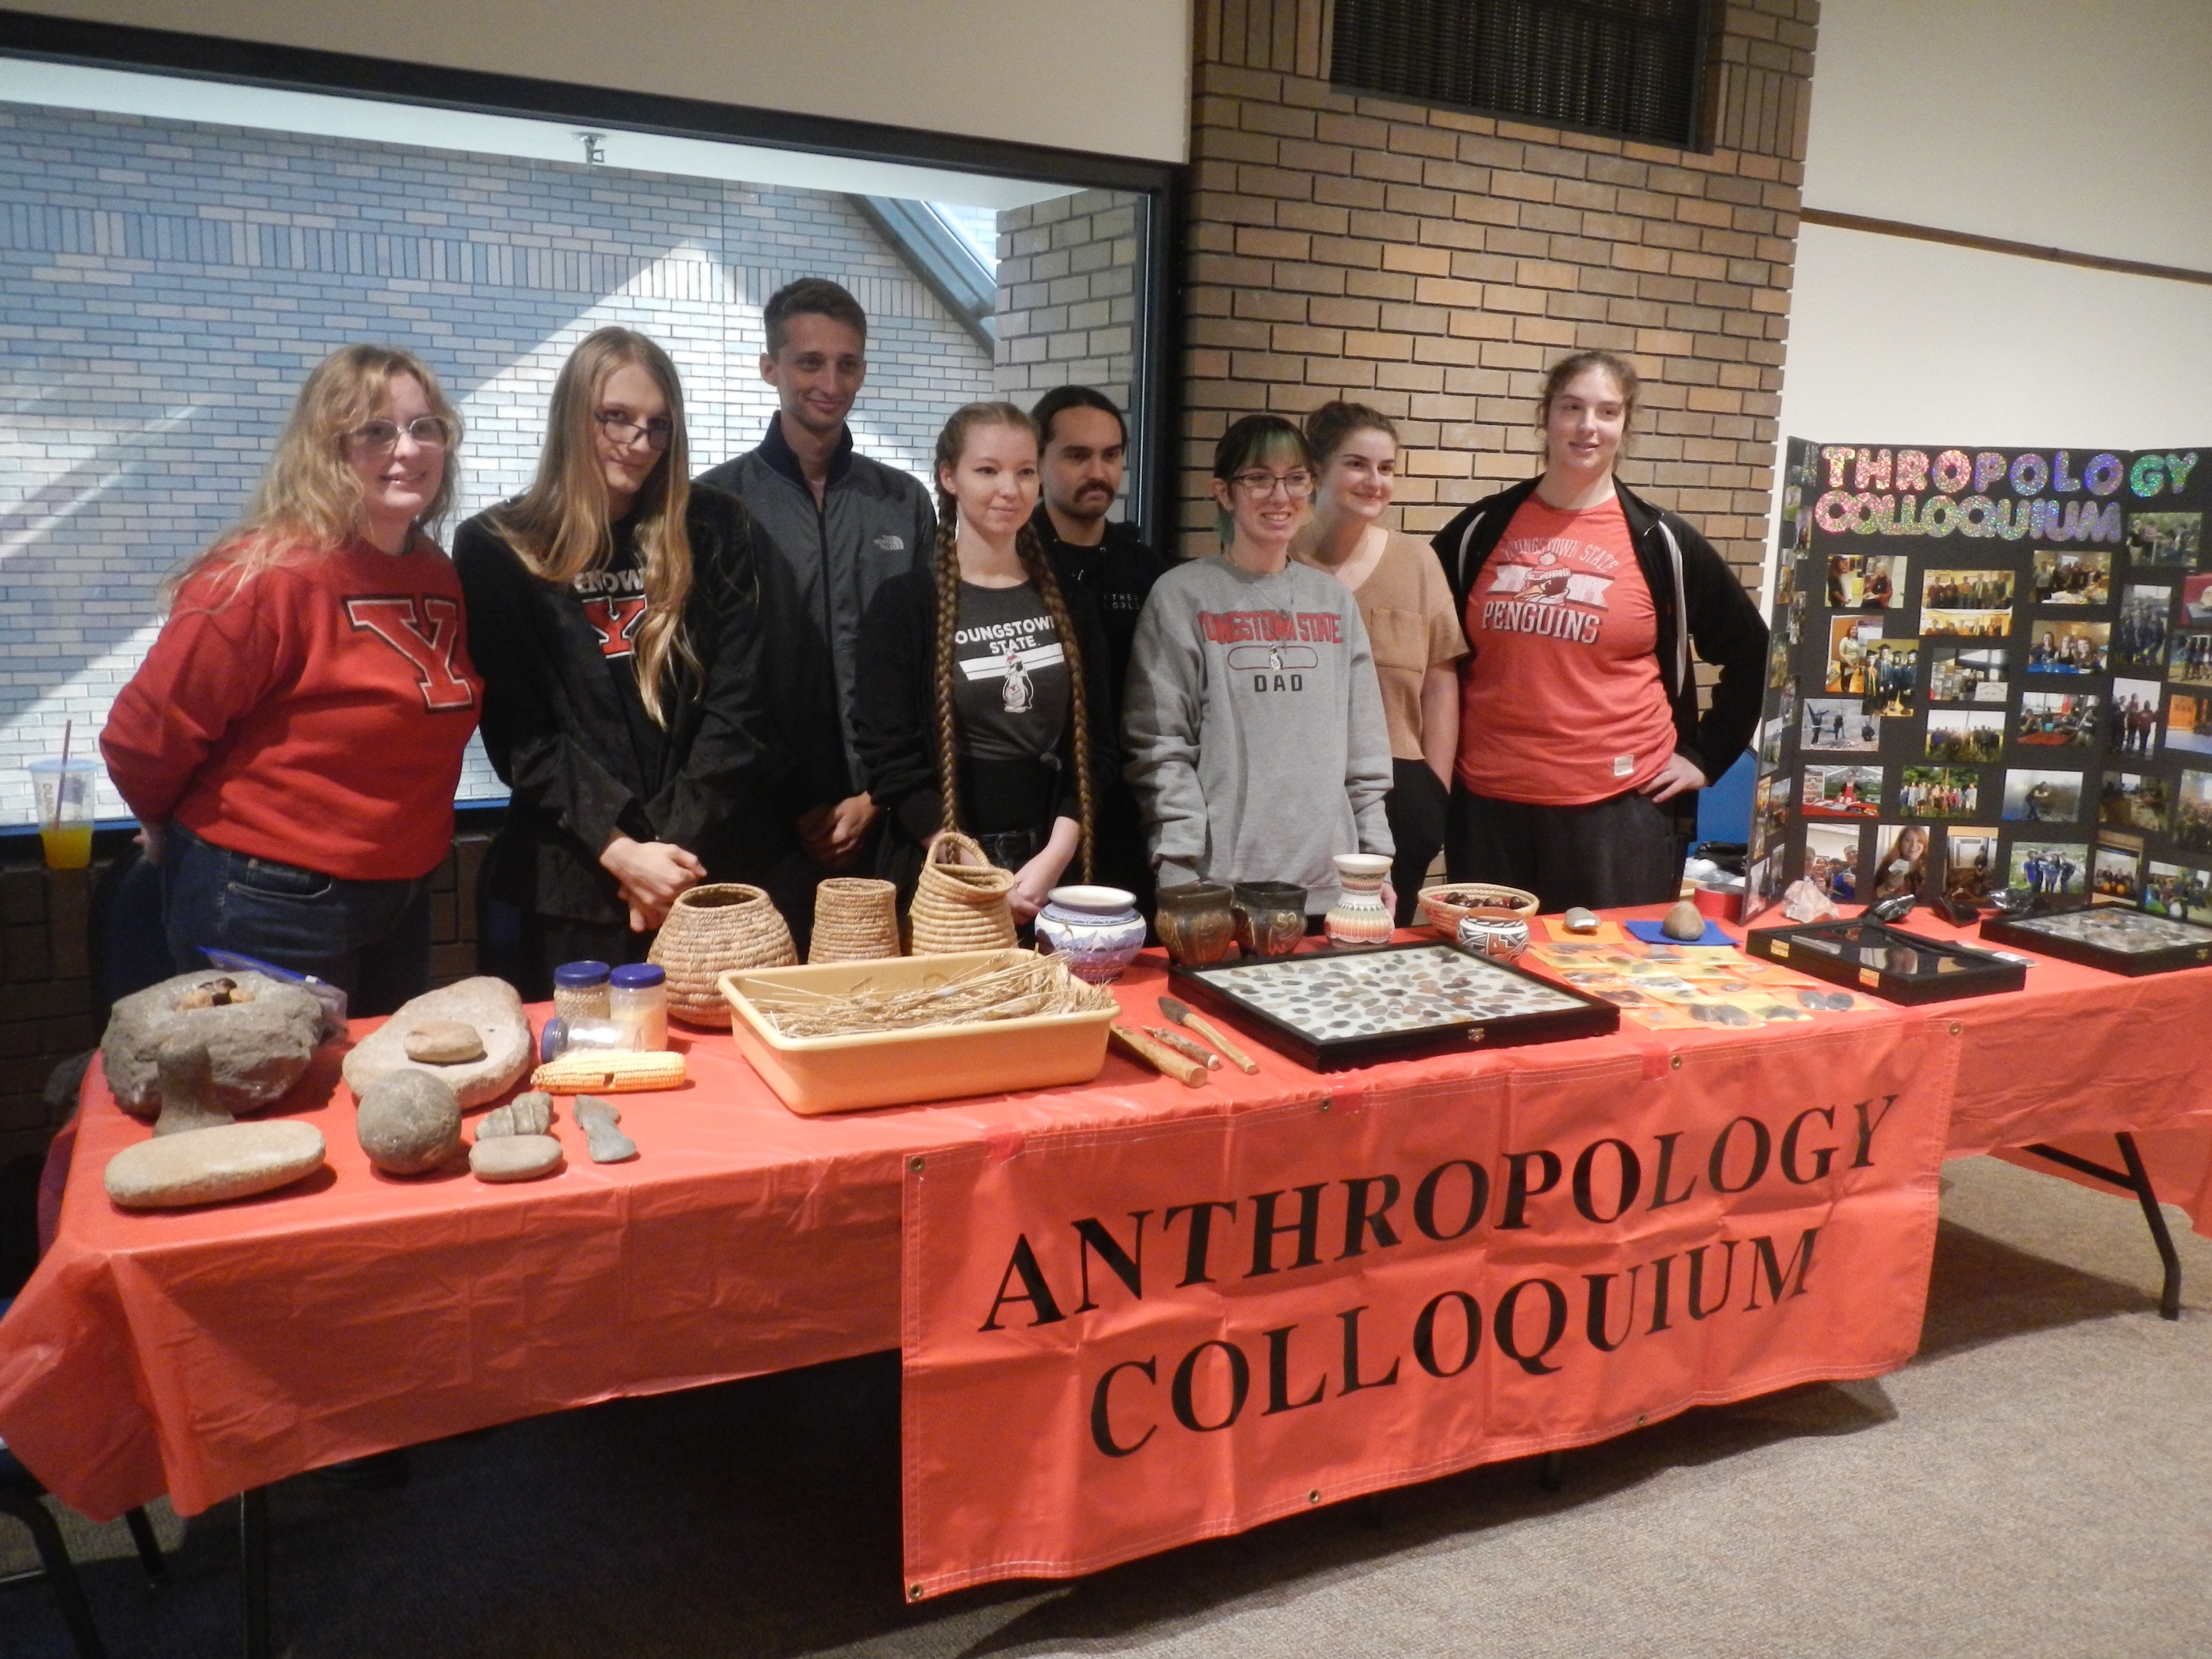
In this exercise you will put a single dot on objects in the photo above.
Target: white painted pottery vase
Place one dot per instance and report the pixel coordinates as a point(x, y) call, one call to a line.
point(1357, 916)
point(1098, 930)
point(1504, 937)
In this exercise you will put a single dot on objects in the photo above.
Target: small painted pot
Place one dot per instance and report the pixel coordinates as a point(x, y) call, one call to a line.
point(1498, 936)
point(1271, 917)
point(1357, 916)
point(1196, 923)
point(1098, 930)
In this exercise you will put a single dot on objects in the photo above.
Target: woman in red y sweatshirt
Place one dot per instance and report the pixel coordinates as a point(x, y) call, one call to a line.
point(292, 741)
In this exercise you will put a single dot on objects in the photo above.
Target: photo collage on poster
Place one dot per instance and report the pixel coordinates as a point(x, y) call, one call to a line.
point(1990, 668)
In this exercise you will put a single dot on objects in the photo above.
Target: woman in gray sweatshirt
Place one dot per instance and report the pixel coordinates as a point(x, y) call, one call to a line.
point(1253, 719)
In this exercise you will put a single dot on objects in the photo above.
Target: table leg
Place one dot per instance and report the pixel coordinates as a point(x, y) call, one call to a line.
point(1551, 1471)
point(253, 1570)
point(2136, 1179)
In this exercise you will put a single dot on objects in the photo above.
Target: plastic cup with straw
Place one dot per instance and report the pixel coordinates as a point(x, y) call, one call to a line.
point(64, 789)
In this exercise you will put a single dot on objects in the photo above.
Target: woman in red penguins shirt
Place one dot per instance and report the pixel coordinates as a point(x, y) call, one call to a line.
point(292, 741)
point(1579, 720)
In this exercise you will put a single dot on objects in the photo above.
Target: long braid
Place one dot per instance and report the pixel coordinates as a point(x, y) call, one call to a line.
point(948, 622)
point(1031, 547)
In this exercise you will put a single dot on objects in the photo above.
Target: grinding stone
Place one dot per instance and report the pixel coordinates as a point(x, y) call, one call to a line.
point(443, 1042)
point(1684, 921)
point(515, 1157)
point(208, 1166)
point(1579, 921)
point(409, 1122)
point(489, 1005)
point(256, 1051)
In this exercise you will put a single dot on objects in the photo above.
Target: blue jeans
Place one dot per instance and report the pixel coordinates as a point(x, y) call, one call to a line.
point(370, 938)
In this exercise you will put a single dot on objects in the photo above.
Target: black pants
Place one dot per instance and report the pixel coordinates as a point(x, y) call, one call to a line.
point(524, 948)
point(1617, 852)
point(1417, 807)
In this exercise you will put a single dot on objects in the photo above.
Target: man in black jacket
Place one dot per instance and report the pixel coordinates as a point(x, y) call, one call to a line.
point(1086, 447)
point(835, 525)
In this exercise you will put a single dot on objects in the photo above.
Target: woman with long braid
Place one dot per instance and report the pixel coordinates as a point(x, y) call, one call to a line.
point(981, 701)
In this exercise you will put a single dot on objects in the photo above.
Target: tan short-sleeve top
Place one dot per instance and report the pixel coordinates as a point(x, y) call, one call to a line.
point(1407, 609)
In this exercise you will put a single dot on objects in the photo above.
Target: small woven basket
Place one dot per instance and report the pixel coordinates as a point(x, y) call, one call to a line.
point(960, 903)
point(709, 931)
point(855, 919)
point(1445, 906)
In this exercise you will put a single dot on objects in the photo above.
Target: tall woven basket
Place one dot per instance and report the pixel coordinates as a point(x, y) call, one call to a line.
point(709, 931)
point(961, 901)
point(855, 919)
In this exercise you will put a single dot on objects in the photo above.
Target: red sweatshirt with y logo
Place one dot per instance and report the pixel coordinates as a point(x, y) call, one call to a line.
point(315, 715)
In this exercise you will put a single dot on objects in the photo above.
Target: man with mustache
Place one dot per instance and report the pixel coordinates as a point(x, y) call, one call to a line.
point(1086, 448)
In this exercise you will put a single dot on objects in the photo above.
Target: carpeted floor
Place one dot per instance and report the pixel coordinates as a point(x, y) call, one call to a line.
point(2038, 1483)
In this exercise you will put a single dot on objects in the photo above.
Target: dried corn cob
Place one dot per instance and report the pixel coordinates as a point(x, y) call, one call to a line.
point(607, 1072)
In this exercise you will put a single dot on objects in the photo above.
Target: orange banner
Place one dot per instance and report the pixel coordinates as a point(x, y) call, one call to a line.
point(1121, 1340)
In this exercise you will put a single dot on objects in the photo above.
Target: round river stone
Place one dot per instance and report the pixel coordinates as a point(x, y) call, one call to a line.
point(410, 1123)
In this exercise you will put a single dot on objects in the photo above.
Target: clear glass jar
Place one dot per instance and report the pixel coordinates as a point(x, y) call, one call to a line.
point(638, 999)
point(580, 990)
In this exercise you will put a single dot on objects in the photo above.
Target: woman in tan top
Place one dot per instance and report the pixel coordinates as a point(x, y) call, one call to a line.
point(1407, 606)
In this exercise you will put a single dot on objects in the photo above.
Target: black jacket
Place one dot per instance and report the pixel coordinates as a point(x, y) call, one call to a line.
point(1118, 574)
point(819, 567)
point(1690, 583)
point(895, 711)
point(567, 733)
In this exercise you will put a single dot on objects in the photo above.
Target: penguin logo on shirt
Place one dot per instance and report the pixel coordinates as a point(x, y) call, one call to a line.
point(1275, 666)
point(1018, 690)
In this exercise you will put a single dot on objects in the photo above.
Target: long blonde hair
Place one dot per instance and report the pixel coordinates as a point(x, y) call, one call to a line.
point(309, 498)
point(951, 443)
point(560, 527)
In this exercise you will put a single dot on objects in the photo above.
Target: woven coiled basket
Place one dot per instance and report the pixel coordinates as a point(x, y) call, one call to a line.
point(709, 931)
point(855, 919)
point(960, 903)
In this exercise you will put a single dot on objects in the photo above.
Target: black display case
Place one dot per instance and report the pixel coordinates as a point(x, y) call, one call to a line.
point(2116, 938)
point(1331, 1009)
point(1886, 961)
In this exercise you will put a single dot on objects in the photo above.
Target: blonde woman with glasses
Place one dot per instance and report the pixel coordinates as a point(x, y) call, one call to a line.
point(292, 742)
point(613, 610)
point(1253, 721)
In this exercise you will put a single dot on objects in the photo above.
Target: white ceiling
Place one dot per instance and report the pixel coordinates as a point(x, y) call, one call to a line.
point(114, 92)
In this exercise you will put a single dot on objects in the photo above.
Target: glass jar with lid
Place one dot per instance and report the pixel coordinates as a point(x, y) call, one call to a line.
point(580, 990)
point(638, 998)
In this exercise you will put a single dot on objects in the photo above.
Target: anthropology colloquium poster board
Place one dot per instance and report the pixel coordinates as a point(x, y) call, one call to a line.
point(1989, 668)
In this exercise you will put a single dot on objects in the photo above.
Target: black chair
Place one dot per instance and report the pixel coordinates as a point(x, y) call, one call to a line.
point(19, 1496)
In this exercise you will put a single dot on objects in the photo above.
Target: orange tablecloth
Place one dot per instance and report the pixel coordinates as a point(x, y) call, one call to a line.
point(201, 1353)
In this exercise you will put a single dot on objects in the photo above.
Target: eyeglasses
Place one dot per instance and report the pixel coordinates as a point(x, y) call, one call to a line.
point(382, 437)
point(625, 431)
point(1295, 483)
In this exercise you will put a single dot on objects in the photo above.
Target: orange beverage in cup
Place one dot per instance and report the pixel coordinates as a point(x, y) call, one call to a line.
point(61, 791)
point(69, 848)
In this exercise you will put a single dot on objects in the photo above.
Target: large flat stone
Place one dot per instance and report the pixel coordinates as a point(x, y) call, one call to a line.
point(256, 1051)
point(488, 1004)
point(208, 1166)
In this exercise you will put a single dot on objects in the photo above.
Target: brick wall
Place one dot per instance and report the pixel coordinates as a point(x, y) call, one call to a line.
point(48, 1012)
point(1067, 296)
point(165, 285)
point(1431, 263)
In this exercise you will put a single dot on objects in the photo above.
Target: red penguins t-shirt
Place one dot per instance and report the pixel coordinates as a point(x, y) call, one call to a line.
point(1562, 704)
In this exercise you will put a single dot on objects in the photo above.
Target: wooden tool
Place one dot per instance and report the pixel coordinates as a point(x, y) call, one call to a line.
point(1184, 1045)
point(1182, 1015)
point(1159, 1057)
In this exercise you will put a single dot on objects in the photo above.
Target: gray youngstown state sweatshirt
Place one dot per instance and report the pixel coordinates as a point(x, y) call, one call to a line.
point(1253, 726)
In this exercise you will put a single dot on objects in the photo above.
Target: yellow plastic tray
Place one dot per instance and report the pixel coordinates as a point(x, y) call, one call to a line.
point(817, 1075)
